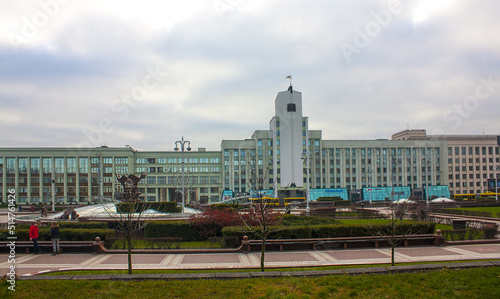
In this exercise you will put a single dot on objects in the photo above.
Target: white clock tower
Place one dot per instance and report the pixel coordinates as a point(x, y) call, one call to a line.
point(289, 131)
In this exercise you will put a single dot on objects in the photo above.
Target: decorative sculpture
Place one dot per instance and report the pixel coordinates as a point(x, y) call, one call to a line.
point(130, 190)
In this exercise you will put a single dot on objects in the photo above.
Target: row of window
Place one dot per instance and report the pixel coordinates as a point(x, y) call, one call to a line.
point(464, 150)
point(471, 160)
point(470, 168)
point(203, 190)
point(177, 169)
point(213, 160)
point(471, 176)
point(172, 180)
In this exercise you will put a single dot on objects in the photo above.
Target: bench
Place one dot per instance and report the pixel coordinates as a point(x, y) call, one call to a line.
point(46, 246)
point(342, 243)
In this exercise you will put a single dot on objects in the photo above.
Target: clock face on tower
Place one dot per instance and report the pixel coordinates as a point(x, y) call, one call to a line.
point(291, 107)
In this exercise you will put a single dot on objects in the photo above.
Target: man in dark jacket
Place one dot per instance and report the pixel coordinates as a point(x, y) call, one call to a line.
point(33, 233)
point(54, 236)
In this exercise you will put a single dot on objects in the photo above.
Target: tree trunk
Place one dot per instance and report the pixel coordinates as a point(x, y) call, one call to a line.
point(393, 243)
point(129, 252)
point(262, 254)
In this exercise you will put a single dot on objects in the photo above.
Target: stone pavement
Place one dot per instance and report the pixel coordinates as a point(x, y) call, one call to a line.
point(29, 264)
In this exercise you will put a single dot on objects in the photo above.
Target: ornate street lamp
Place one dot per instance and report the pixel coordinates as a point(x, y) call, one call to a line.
point(182, 143)
point(427, 165)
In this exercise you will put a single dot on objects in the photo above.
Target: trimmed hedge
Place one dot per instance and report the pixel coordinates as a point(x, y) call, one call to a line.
point(84, 225)
point(173, 229)
point(332, 231)
point(69, 234)
point(67, 225)
point(223, 206)
point(294, 220)
point(464, 212)
point(164, 207)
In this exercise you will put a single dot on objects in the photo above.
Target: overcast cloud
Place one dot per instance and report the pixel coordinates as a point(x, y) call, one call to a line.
point(146, 73)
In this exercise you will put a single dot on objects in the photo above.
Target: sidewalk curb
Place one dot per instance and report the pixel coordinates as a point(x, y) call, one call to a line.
point(271, 274)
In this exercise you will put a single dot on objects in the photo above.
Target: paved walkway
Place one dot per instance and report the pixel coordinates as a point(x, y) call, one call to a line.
point(29, 264)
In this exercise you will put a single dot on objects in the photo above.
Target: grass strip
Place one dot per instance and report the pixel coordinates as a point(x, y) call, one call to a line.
point(436, 284)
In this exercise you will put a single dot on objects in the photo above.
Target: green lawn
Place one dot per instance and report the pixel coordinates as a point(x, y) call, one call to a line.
point(182, 271)
point(435, 284)
point(492, 210)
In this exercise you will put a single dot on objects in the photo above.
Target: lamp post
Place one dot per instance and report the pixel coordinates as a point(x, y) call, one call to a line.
point(53, 190)
point(305, 156)
point(370, 183)
point(497, 168)
point(182, 143)
point(395, 163)
point(426, 162)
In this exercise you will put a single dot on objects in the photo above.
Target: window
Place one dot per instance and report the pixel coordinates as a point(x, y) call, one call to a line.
point(35, 165)
point(121, 160)
point(23, 165)
point(59, 163)
point(84, 165)
point(71, 165)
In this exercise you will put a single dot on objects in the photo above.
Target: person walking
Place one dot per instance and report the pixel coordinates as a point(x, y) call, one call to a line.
point(33, 233)
point(54, 236)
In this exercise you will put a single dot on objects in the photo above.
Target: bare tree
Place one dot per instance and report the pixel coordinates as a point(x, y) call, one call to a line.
point(391, 231)
point(128, 211)
point(395, 230)
point(261, 219)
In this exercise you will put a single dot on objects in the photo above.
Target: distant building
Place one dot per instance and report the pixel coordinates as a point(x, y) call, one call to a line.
point(410, 164)
point(471, 159)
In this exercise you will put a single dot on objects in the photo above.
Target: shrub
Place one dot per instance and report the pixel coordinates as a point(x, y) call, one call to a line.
point(70, 234)
point(293, 220)
point(334, 231)
point(164, 207)
point(490, 231)
point(211, 222)
point(232, 206)
point(84, 225)
point(176, 229)
point(464, 212)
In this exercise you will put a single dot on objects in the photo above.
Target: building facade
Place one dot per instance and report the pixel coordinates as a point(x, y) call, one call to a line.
point(411, 163)
point(471, 159)
point(76, 175)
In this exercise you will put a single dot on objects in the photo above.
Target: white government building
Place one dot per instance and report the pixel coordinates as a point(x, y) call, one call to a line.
point(410, 164)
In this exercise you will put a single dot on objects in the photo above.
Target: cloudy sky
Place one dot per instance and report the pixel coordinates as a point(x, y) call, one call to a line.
point(145, 73)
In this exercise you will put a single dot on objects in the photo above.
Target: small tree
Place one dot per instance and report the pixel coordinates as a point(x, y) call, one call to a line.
point(399, 209)
point(128, 211)
point(391, 231)
point(261, 219)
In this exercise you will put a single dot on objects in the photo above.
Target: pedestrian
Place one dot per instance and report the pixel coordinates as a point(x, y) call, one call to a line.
point(54, 236)
point(32, 208)
point(33, 233)
point(19, 208)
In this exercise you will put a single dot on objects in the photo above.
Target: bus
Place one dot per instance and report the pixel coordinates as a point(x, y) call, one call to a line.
point(489, 194)
point(275, 201)
point(464, 196)
point(267, 200)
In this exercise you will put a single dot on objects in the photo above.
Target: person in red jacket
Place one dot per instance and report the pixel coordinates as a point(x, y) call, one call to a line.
point(34, 237)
